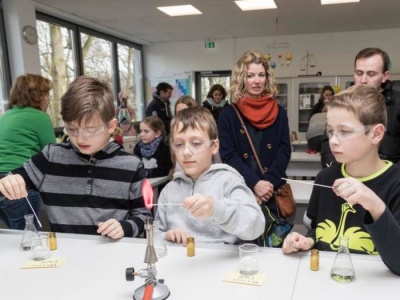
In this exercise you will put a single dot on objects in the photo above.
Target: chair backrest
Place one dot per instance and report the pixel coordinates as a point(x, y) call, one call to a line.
point(293, 136)
point(129, 143)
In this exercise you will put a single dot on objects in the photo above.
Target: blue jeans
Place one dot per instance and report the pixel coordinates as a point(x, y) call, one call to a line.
point(12, 212)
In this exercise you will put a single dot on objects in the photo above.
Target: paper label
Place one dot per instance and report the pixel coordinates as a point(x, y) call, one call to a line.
point(235, 277)
point(53, 262)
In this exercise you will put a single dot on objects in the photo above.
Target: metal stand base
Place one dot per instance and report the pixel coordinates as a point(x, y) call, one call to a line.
point(161, 292)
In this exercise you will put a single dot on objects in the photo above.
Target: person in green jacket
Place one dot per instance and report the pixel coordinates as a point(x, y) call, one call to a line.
point(25, 128)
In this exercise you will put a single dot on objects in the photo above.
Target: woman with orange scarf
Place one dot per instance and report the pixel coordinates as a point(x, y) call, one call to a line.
point(253, 92)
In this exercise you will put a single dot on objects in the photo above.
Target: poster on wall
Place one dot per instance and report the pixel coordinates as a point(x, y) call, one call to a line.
point(181, 82)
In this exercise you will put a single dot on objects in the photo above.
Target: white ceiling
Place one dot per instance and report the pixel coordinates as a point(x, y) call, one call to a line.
point(221, 19)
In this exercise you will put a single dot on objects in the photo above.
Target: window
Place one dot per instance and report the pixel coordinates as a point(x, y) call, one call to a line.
point(129, 62)
point(57, 63)
point(68, 50)
point(97, 58)
point(5, 77)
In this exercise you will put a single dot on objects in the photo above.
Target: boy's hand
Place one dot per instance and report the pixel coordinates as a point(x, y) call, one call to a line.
point(295, 241)
point(355, 192)
point(13, 187)
point(111, 228)
point(264, 190)
point(199, 206)
point(177, 235)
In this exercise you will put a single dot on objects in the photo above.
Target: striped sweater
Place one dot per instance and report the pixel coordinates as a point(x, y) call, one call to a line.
point(80, 191)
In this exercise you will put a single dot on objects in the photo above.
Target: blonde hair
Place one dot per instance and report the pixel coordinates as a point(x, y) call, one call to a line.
point(189, 101)
point(239, 74)
point(365, 102)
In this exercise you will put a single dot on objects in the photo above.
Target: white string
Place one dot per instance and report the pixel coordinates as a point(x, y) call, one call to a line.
point(162, 204)
point(305, 182)
point(37, 219)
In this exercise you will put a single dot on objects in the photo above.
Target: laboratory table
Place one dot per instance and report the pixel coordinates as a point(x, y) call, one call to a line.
point(95, 269)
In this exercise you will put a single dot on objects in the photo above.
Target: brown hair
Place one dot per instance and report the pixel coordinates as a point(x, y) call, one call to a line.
point(239, 73)
point(196, 118)
point(28, 90)
point(189, 101)
point(368, 52)
point(86, 98)
point(365, 102)
point(155, 123)
point(217, 87)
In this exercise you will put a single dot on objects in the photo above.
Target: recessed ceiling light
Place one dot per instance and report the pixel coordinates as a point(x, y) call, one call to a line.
point(326, 2)
point(255, 4)
point(180, 10)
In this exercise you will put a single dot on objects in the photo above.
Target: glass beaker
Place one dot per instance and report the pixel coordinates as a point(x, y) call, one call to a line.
point(40, 247)
point(29, 232)
point(158, 242)
point(342, 269)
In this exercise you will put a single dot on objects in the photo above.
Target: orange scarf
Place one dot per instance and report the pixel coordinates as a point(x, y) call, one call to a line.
point(261, 112)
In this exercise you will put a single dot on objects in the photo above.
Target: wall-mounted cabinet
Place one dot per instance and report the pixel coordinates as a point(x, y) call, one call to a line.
point(300, 94)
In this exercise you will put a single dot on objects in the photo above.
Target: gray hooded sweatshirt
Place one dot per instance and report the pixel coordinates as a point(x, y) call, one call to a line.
point(236, 217)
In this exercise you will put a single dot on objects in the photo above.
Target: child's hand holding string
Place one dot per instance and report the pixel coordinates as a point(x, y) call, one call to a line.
point(199, 206)
point(355, 192)
point(13, 187)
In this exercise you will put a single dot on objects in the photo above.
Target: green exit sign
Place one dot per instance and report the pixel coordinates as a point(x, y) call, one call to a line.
point(209, 44)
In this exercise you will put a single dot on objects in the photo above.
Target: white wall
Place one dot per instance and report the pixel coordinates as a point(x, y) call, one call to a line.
point(24, 58)
point(334, 52)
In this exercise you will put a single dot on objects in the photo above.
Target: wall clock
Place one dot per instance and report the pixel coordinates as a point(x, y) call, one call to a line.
point(30, 34)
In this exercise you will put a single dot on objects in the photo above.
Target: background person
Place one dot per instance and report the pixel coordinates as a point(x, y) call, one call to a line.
point(160, 106)
point(25, 128)
point(364, 204)
point(326, 92)
point(153, 149)
point(216, 101)
point(253, 91)
point(371, 67)
point(184, 102)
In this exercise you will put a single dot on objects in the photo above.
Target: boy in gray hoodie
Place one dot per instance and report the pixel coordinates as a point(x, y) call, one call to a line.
point(216, 205)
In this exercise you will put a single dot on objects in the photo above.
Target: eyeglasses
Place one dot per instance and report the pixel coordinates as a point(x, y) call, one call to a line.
point(194, 147)
point(348, 134)
point(86, 132)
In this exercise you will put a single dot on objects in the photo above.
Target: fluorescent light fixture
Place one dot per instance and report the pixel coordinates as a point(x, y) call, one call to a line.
point(180, 10)
point(326, 2)
point(255, 4)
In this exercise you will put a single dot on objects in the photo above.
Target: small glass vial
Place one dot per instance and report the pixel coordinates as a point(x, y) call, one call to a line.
point(342, 269)
point(29, 232)
point(314, 260)
point(190, 247)
point(158, 242)
point(52, 241)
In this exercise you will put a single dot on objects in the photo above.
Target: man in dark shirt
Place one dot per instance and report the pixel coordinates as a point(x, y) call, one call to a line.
point(160, 105)
point(371, 67)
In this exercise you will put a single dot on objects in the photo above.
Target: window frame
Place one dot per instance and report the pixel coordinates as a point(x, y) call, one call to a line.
point(115, 41)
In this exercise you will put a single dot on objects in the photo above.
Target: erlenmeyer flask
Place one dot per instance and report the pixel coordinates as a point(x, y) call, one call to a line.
point(158, 242)
point(29, 231)
point(342, 269)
